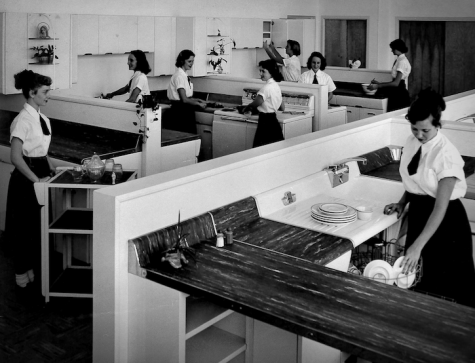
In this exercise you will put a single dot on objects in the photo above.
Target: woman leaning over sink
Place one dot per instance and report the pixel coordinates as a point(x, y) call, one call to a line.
point(180, 93)
point(267, 102)
point(438, 228)
point(316, 64)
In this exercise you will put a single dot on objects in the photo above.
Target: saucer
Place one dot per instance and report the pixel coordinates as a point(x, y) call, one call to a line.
point(379, 270)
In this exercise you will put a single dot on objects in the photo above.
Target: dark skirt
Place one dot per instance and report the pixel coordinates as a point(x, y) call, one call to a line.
point(268, 130)
point(398, 97)
point(23, 218)
point(180, 117)
point(447, 261)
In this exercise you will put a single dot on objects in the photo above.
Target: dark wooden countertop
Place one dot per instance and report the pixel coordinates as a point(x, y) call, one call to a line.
point(355, 90)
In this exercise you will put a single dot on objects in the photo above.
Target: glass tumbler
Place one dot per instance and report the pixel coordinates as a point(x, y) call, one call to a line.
point(117, 169)
point(77, 173)
point(109, 165)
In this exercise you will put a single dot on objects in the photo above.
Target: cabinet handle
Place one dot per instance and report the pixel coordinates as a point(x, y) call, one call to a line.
point(87, 53)
point(349, 111)
point(108, 53)
point(208, 131)
point(359, 106)
point(371, 113)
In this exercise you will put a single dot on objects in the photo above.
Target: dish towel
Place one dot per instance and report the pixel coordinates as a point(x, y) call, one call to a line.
point(414, 164)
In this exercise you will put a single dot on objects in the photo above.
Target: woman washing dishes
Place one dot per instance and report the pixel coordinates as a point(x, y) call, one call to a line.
point(316, 64)
point(397, 93)
point(138, 84)
point(180, 93)
point(290, 66)
point(267, 102)
point(438, 228)
point(30, 137)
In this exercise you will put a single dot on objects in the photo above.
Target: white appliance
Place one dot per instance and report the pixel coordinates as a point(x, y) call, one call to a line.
point(234, 132)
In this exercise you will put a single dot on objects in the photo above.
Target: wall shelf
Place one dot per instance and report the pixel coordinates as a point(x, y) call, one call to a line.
point(43, 38)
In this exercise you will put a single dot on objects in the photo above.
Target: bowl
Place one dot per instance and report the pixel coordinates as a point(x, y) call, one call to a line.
point(366, 90)
point(364, 213)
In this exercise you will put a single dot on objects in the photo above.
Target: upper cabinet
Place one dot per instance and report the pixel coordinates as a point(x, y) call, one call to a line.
point(246, 32)
point(191, 33)
point(146, 33)
point(117, 34)
point(165, 46)
point(301, 30)
point(88, 34)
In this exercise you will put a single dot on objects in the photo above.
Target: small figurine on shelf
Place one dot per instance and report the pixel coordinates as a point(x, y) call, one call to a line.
point(43, 31)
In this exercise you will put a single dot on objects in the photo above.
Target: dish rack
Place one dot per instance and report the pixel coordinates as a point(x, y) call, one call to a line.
point(376, 249)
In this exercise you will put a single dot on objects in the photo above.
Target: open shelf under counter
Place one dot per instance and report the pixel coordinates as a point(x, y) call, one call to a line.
point(73, 220)
point(73, 282)
point(214, 345)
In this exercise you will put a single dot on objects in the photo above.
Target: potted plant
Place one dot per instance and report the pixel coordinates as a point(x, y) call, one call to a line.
point(217, 64)
point(44, 54)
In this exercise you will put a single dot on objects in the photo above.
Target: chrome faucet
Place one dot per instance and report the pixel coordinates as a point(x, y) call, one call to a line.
point(339, 172)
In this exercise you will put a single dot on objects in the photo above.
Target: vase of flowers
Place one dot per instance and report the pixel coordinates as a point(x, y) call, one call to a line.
point(45, 55)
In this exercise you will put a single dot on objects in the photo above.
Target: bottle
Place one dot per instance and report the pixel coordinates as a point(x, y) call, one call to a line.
point(229, 236)
point(219, 239)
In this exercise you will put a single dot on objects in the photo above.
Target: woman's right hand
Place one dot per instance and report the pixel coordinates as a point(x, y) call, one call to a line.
point(43, 180)
point(394, 207)
point(108, 96)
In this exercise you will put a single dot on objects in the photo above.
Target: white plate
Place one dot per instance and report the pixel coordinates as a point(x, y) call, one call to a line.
point(379, 270)
point(335, 220)
point(339, 218)
point(405, 281)
point(348, 213)
point(336, 208)
point(333, 224)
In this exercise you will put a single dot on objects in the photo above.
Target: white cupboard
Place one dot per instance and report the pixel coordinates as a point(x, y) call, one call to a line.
point(247, 32)
point(191, 34)
point(300, 30)
point(164, 46)
point(117, 34)
point(146, 33)
point(88, 34)
point(358, 108)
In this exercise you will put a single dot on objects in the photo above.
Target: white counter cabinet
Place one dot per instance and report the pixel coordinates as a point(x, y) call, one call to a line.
point(358, 108)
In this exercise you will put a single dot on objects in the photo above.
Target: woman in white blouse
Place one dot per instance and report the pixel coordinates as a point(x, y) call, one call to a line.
point(180, 92)
point(396, 90)
point(138, 84)
point(438, 228)
point(290, 66)
point(30, 137)
point(267, 102)
point(316, 64)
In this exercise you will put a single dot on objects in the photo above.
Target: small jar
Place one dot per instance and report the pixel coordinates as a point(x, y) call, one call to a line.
point(219, 239)
point(229, 236)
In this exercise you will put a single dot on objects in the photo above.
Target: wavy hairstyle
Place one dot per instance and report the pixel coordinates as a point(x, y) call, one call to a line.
point(295, 46)
point(399, 45)
point(30, 81)
point(182, 57)
point(428, 102)
point(142, 62)
point(273, 68)
point(322, 58)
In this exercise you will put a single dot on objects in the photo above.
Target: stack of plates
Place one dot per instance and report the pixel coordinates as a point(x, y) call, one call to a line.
point(333, 214)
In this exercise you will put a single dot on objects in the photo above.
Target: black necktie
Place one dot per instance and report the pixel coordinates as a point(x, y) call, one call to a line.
point(189, 81)
point(315, 81)
point(44, 127)
point(414, 164)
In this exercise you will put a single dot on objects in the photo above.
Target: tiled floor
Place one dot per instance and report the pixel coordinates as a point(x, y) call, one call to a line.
point(31, 331)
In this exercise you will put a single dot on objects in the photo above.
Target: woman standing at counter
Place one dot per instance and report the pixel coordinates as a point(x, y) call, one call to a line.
point(316, 64)
point(438, 228)
point(30, 137)
point(267, 102)
point(138, 84)
point(180, 93)
point(290, 66)
point(397, 93)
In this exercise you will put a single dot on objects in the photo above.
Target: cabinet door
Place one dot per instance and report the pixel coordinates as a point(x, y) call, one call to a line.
point(14, 49)
point(247, 33)
point(352, 114)
point(250, 134)
point(88, 34)
point(117, 34)
point(229, 137)
point(127, 34)
point(279, 33)
point(273, 345)
point(146, 33)
point(165, 46)
point(369, 112)
point(191, 34)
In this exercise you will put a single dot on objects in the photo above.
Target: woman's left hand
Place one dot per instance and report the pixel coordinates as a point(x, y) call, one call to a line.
point(411, 259)
point(373, 86)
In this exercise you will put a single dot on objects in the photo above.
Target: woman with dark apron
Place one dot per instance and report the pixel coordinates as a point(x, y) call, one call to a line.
point(396, 90)
point(267, 102)
point(438, 228)
point(181, 116)
point(30, 137)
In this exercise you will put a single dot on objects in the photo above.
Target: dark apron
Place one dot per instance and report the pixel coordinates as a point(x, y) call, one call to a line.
point(447, 261)
point(181, 117)
point(398, 97)
point(23, 218)
point(268, 130)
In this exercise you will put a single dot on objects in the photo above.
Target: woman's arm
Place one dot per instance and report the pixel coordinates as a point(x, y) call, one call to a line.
point(16, 157)
point(133, 96)
point(330, 96)
point(397, 207)
point(444, 191)
point(273, 53)
point(120, 91)
point(254, 104)
point(189, 100)
point(393, 83)
point(282, 106)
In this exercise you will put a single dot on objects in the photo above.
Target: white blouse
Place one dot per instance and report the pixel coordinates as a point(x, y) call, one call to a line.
point(322, 78)
point(439, 159)
point(291, 69)
point(272, 96)
point(401, 65)
point(140, 81)
point(179, 80)
point(26, 126)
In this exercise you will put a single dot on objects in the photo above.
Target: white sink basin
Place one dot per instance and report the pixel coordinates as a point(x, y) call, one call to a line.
point(358, 191)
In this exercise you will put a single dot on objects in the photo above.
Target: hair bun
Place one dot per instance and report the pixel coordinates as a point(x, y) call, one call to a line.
point(24, 78)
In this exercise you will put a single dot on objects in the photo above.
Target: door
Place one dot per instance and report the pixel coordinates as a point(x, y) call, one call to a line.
point(279, 33)
point(146, 33)
point(369, 112)
point(88, 34)
point(352, 114)
point(229, 137)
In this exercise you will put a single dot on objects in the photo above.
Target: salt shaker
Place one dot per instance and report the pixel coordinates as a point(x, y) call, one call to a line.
point(219, 239)
point(113, 178)
point(229, 236)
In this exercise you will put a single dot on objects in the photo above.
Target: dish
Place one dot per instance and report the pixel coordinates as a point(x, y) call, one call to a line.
point(379, 270)
point(334, 208)
point(333, 223)
point(405, 281)
point(366, 90)
point(364, 213)
point(352, 218)
point(317, 211)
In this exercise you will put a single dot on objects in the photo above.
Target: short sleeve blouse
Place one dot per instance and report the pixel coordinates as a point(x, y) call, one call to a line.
point(140, 81)
point(272, 96)
point(439, 159)
point(323, 79)
point(401, 65)
point(291, 69)
point(179, 80)
point(26, 126)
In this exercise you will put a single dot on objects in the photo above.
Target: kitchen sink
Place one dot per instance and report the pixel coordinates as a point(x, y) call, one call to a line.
point(360, 190)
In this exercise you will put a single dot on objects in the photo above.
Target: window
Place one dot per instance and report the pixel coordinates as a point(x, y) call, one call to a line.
point(345, 40)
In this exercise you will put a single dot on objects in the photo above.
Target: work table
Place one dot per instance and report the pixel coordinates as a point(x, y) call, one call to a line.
point(355, 90)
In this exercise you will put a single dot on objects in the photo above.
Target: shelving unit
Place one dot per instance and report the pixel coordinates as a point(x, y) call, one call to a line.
point(64, 223)
point(219, 40)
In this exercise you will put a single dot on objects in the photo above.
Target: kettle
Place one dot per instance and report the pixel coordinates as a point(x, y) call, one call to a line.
point(95, 168)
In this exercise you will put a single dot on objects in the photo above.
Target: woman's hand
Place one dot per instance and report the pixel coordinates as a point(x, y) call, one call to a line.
point(201, 103)
point(411, 259)
point(45, 179)
point(394, 207)
point(372, 86)
point(108, 96)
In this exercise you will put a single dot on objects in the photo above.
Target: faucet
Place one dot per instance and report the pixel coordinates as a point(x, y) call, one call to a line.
point(339, 172)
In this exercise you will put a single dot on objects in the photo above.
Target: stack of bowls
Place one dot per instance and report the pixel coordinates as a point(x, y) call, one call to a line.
point(366, 90)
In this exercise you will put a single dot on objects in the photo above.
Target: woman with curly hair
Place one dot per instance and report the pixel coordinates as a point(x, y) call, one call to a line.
point(316, 64)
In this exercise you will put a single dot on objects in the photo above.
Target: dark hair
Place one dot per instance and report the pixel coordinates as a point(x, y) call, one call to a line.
point(322, 58)
point(182, 57)
point(273, 68)
point(428, 102)
point(142, 62)
point(295, 46)
point(30, 81)
point(399, 45)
